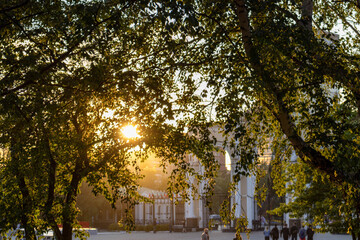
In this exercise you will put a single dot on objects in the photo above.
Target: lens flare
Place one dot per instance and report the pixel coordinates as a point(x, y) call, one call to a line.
point(129, 131)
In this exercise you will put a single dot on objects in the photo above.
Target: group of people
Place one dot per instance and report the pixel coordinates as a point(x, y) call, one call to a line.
point(292, 232)
point(285, 232)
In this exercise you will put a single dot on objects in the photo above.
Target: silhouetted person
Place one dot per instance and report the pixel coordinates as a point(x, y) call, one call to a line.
point(285, 232)
point(267, 233)
point(205, 234)
point(275, 233)
point(294, 231)
point(310, 233)
point(302, 233)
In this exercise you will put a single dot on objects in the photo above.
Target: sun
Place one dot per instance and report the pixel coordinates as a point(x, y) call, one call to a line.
point(129, 131)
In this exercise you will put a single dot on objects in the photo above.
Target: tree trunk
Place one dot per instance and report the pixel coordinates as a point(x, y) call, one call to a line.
point(29, 230)
point(68, 216)
point(51, 188)
point(353, 235)
point(26, 210)
point(67, 231)
point(27, 202)
point(306, 14)
point(308, 154)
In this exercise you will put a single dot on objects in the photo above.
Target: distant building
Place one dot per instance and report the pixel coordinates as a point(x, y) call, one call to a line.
point(197, 214)
point(162, 209)
point(194, 214)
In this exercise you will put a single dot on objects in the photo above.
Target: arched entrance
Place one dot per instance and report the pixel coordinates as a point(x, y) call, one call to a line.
point(196, 213)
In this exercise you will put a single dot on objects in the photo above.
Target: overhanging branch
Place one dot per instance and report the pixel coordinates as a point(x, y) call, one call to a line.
point(281, 113)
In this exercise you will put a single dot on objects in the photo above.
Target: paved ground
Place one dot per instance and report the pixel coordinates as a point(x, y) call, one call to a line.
point(214, 235)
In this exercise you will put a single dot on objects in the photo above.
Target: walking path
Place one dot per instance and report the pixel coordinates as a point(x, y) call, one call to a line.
point(214, 235)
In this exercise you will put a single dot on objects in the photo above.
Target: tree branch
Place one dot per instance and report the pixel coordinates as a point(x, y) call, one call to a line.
point(343, 19)
point(5, 10)
point(306, 14)
point(226, 34)
point(17, 23)
point(60, 59)
point(303, 149)
point(330, 68)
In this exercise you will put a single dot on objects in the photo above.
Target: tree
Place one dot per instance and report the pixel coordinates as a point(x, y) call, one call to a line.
point(265, 194)
point(330, 207)
point(277, 76)
point(73, 73)
point(273, 73)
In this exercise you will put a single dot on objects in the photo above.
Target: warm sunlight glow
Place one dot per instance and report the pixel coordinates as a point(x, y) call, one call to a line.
point(129, 131)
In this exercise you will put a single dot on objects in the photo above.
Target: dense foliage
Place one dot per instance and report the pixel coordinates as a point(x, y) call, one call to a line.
point(72, 74)
point(329, 207)
point(277, 77)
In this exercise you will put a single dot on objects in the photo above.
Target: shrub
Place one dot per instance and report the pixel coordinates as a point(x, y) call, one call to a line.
point(114, 227)
point(162, 227)
point(148, 228)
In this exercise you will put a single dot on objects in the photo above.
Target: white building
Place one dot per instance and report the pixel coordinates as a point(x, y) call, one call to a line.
point(194, 212)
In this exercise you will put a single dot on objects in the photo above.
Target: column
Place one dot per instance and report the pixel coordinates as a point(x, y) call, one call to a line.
point(191, 219)
point(236, 200)
point(250, 211)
